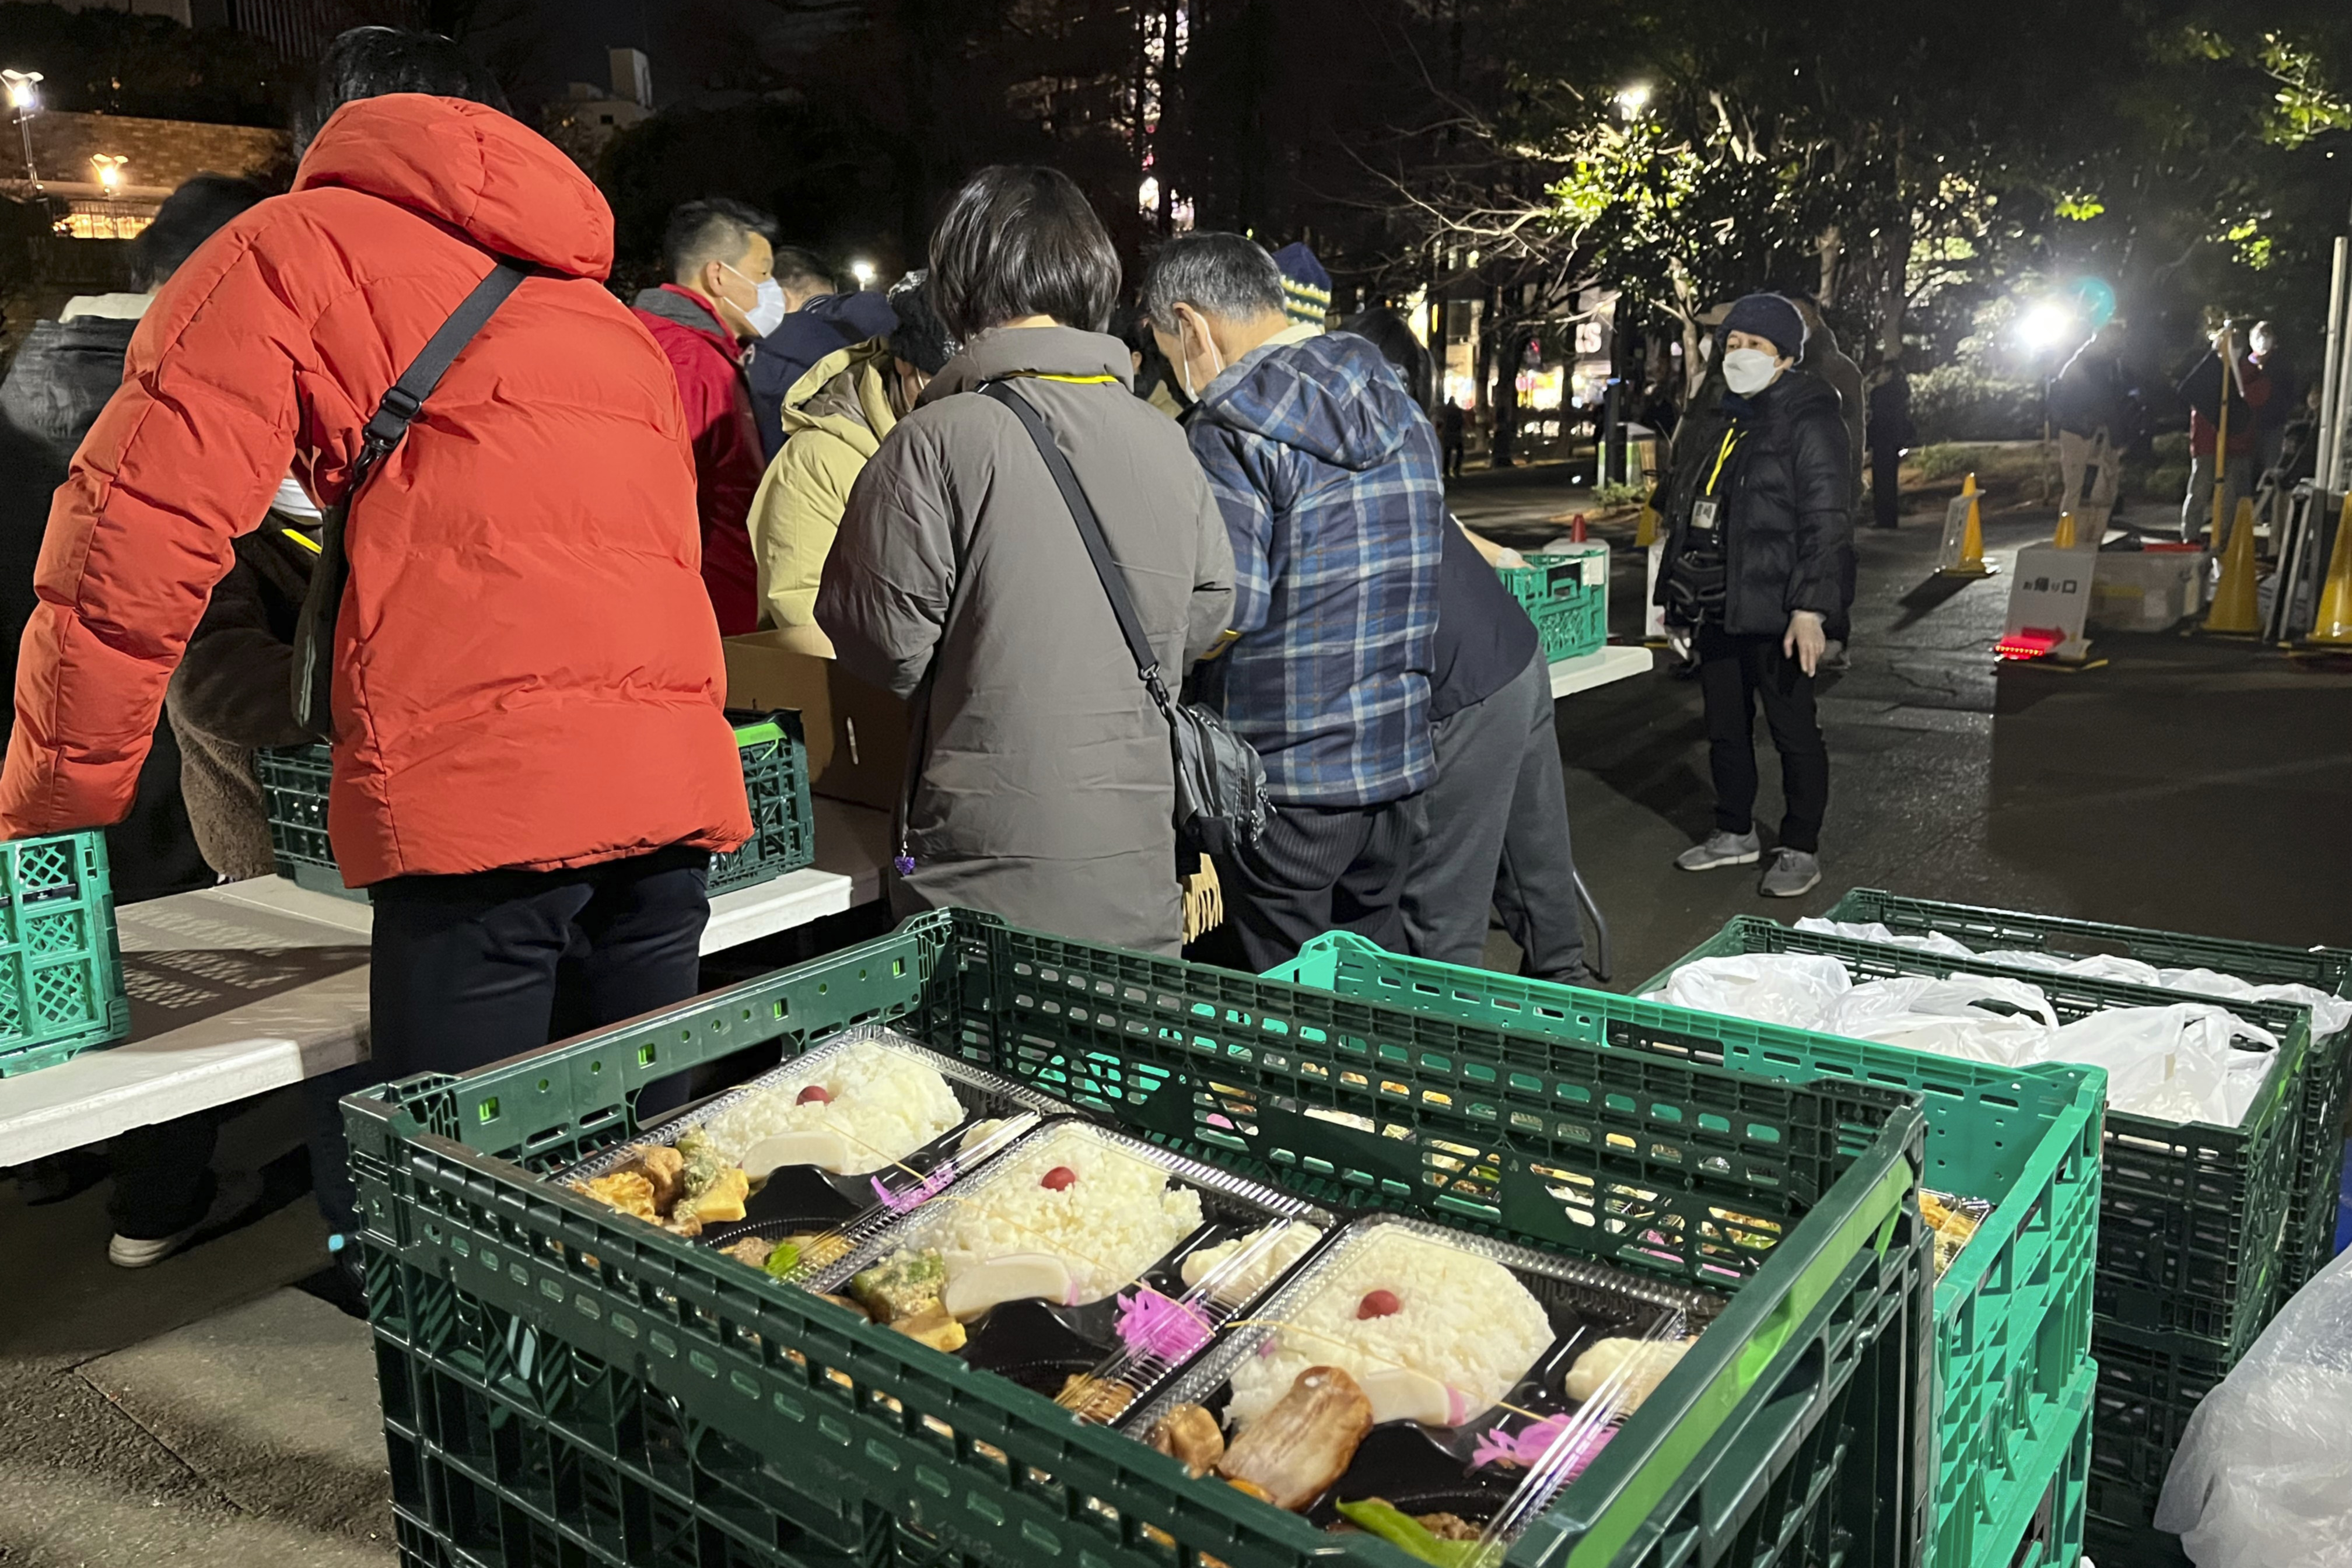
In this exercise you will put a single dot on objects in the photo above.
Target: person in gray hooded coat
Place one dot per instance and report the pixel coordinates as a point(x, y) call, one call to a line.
point(1043, 787)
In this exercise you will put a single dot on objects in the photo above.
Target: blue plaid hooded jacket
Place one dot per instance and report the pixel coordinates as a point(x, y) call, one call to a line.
point(1330, 479)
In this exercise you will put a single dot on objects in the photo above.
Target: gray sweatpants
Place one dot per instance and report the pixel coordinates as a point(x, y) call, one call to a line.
point(1492, 833)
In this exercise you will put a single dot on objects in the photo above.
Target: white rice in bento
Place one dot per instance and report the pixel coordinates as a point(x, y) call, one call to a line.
point(1118, 1217)
point(1461, 1319)
point(886, 1105)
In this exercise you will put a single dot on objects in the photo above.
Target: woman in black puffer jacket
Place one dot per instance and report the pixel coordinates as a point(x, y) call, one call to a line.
point(1755, 565)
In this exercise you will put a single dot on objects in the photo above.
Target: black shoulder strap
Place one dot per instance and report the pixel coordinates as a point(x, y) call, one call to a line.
point(405, 399)
point(1114, 581)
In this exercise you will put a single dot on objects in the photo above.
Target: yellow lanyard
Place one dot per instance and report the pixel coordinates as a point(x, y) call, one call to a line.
point(1073, 380)
point(1730, 443)
point(303, 539)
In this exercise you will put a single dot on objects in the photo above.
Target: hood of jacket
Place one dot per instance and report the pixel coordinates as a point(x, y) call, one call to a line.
point(674, 305)
point(845, 394)
point(1031, 351)
point(1333, 396)
point(484, 173)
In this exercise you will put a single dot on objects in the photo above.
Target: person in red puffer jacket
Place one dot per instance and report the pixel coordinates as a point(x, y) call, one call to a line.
point(722, 292)
point(530, 759)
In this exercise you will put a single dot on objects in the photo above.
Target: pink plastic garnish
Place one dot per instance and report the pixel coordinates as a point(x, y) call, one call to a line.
point(1155, 1325)
point(899, 1202)
point(1058, 1179)
point(1528, 1445)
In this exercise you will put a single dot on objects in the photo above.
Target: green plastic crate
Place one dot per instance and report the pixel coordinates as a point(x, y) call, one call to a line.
point(2012, 1314)
point(294, 781)
point(2051, 1534)
point(2192, 1215)
point(1566, 594)
point(60, 965)
point(2310, 1222)
point(788, 1430)
point(2149, 1385)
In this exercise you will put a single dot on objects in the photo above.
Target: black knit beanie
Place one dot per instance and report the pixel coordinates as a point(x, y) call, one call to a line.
point(1771, 316)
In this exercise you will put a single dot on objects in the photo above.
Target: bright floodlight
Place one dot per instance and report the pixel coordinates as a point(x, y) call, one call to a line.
point(20, 86)
point(863, 271)
point(110, 169)
point(2044, 326)
point(1631, 101)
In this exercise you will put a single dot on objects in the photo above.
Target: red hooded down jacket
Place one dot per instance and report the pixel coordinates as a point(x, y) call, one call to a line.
point(527, 670)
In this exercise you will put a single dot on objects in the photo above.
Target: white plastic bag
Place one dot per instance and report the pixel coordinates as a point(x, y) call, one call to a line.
point(2329, 1013)
point(2174, 1063)
point(1948, 1016)
point(1875, 930)
point(2262, 1477)
point(1792, 988)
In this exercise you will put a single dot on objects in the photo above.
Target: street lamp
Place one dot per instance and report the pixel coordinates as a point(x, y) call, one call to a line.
point(109, 170)
point(864, 272)
point(27, 102)
point(2044, 326)
point(1630, 100)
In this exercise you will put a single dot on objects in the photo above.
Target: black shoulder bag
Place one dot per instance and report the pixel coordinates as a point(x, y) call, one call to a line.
point(314, 630)
point(1221, 796)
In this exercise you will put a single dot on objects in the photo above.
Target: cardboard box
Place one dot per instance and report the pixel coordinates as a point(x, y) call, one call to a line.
point(856, 733)
point(2145, 591)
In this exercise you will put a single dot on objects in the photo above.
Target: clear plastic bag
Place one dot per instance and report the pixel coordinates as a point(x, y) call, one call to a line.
point(1797, 989)
point(1934, 941)
point(2263, 1475)
point(2174, 1063)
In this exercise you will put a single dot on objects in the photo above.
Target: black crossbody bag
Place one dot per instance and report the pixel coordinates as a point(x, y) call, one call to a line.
point(314, 630)
point(1221, 794)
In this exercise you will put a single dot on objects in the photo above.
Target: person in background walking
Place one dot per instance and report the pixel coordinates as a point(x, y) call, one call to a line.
point(721, 294)
point(2248, 391)
point(1755, 567)
point(1043, 787)
point(817, 323)
point(1892, 433)
point(1450, 432)
point(2278, 409)
point(2090, 405)
point(1329, 478)
point(531, 764)
point(838, 415)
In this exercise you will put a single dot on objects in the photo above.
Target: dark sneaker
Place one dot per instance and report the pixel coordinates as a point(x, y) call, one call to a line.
point(1721, 848)
point(1791, 873)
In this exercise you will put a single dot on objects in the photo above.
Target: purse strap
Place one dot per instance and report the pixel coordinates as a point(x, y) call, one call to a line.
point(1074, 496)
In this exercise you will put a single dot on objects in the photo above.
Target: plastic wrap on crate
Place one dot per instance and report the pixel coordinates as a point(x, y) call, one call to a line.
point(61, 991)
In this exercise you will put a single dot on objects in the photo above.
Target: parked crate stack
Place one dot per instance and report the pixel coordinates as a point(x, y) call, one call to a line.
point(60, 965)
point(294, 781)
point(563, 1384)
point(2197, 1228)
point(1564, 590)
point(2013, 1313)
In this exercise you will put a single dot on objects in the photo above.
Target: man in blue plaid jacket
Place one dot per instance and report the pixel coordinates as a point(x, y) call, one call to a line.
point(1329, 477)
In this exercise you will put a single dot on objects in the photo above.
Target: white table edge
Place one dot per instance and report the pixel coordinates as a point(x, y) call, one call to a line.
point(1602, 666)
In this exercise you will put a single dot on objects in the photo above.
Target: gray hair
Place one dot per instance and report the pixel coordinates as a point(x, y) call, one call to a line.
point(1225, 277)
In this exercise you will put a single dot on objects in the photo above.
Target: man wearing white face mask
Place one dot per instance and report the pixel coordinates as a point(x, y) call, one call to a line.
point(1755, 564)
point(723, 294)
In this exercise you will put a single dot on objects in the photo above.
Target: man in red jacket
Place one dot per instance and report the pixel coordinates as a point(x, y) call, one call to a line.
point(532, 762)
point(723, 293)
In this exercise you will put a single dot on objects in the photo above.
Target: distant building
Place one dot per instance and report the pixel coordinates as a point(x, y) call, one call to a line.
point(584, 120)
point(298, 29)
point(110, 172)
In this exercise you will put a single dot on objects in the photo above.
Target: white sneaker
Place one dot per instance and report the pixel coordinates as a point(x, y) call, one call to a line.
point(236, 1194)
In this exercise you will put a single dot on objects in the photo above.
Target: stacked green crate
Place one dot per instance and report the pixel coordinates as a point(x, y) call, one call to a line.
point(60, 968)
point(2013, 1313)
point(562, 1384)
point(1564, 590)
point(2193, 1235)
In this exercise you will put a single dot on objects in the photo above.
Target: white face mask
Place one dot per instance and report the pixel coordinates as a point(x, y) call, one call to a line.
point(1184, 369)
point(1748, 371)
point(767, 314)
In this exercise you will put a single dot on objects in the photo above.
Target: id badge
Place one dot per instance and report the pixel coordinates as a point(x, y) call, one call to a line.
point(1703, 516)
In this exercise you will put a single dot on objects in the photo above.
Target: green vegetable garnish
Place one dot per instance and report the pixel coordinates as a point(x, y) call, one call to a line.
point(1399, 1528)
point(784, 1260)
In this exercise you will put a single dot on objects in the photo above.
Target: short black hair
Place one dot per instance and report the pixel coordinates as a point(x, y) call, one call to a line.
point(801, 269)
point(189, 216)
point(368, 62)
point(921, 339)
point(1019, 240)
point(715, 229)
point(1226, 276)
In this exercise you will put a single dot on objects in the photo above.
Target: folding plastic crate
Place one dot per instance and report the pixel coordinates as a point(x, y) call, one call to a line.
point(294, 781)
point(1566, 594)
point(2192, 1215)
point(60, 966)
point(2149, 1385)
point(2312, 1210)
point(674, 1379)
point(2014, 1312)
point(2051, 1535)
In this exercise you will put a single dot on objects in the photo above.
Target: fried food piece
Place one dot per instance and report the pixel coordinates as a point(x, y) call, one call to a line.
point(665, 1167)
point(1297, 1449)
point(685, 1222)
point(1095, 1398)
point(1448, 1526)
point(752, 1249)
point(1191, 1435)
point(932, 1327)
point(627, 1191)
point(722, 1199)
point(1250, 1489)
point(701, 1164)
point(903, 1286)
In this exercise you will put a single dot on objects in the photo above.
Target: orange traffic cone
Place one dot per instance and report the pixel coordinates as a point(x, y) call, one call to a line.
point(1970, 561)
point(2064, 538)
point(2333, 626)
point(2235, 609)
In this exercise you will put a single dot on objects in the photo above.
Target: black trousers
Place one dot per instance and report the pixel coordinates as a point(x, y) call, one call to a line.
point(163, 1180)
point(1732, 673)
point(1492, 833)
point(469, 970)
point(1885, 476)
point(1317, 868)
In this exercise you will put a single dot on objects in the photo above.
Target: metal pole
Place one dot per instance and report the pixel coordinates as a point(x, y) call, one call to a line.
point(2331, 370)
point(2332, 453)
